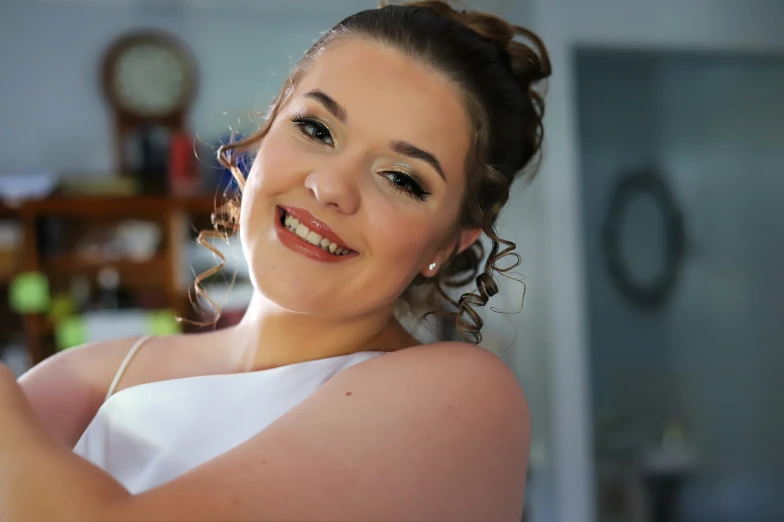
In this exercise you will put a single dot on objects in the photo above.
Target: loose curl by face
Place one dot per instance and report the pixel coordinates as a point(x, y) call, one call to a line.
point(497, 72)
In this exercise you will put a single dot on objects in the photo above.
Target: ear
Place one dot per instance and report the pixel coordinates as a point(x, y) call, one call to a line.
point(465, 239)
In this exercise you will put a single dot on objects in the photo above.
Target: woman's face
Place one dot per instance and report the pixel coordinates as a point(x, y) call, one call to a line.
point(368, 156)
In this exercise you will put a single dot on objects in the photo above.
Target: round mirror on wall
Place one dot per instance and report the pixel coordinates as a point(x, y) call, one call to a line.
point(643, 237)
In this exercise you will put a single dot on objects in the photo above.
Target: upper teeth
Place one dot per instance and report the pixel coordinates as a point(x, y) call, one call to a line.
point(313, 238)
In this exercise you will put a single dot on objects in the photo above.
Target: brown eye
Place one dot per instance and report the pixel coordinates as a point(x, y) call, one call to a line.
point(405, 184)
point(314, 130)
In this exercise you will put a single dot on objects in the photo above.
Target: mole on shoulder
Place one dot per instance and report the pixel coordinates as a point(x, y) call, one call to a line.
point(348, 394)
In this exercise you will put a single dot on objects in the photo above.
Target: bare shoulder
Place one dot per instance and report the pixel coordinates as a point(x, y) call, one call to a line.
point(459, 374)
point(437, 432)
point(456, 370)
point(452, 404)
point(66, 389)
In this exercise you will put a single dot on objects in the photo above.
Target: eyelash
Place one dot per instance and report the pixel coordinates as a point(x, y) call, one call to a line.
point(304, 122)
point(402, 180)
point(415, 189)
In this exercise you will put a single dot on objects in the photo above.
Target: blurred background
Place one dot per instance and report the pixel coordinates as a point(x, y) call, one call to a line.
point(650, 343)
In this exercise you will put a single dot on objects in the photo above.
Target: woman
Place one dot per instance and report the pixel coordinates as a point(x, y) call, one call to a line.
point(389, 151)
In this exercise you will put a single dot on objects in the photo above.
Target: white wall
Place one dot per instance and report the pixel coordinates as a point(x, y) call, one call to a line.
point(740, 25)
point(53, 115)
point(569, 488)
point(521, 338)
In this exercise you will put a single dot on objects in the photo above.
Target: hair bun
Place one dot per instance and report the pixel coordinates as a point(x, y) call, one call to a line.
point(528, 61)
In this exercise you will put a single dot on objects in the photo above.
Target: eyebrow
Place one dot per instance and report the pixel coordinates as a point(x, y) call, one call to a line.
point(407, 149)
point(401, 147)
point(329, 104)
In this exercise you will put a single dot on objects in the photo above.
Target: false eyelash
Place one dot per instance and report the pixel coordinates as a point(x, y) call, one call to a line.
point(417, 192)
point(302, 120)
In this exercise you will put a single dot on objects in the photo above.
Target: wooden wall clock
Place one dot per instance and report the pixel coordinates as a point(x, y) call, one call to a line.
point(149, 79)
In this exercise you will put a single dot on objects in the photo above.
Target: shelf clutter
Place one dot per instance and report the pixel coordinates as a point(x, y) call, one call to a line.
point(88, 255)
point(79, 267)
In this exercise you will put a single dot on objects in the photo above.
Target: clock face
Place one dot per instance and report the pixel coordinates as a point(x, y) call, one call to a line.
point(149, 79)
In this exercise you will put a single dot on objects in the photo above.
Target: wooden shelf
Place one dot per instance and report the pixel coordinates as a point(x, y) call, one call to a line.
point(6, 276)
point(117, 205)
point(162, 272)
point(72, 264)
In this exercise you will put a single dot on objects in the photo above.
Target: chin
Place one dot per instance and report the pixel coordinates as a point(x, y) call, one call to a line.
point(290, 286)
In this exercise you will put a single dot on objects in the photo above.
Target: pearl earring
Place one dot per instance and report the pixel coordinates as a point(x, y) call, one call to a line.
point(432, 266)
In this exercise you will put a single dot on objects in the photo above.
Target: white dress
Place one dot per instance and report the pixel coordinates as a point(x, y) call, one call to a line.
point(149, 434)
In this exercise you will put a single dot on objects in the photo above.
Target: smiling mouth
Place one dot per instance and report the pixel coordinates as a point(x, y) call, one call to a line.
point(294, 226)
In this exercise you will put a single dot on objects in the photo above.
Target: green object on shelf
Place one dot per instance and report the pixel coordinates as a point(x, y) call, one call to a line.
point(70, 332)
point(163, 322)
point(61, 306)
point(28, 293)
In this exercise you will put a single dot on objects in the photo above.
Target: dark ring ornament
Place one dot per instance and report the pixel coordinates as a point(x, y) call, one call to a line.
point(644, 182)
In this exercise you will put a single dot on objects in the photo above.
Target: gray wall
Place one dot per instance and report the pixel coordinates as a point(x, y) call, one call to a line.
point(53, 115)
point(713, 357)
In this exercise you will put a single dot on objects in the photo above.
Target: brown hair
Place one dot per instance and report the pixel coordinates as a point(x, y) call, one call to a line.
point(498, 75)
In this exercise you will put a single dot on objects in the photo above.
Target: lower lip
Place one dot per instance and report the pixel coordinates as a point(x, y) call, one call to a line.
point(299, 245)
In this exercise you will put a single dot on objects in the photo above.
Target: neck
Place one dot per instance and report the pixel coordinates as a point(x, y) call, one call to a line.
point(268, 336)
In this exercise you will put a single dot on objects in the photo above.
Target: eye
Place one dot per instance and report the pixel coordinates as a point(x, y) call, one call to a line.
point(405, 184)
point(313, 130)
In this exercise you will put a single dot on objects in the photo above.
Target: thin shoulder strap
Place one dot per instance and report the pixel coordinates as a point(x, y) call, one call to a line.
point(124, 366)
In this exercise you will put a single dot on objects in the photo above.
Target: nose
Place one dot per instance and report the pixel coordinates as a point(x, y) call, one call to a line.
point(336, 185)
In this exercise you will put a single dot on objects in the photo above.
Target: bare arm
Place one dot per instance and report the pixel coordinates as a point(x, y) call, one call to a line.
point(437, 433)
point(66, 390)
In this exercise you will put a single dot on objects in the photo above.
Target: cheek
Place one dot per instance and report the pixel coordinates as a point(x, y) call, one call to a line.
point(274, 159)
point(260, 187)
point(272, 174)
point(405, 242)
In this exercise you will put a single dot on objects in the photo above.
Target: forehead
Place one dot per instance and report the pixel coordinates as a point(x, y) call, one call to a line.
point(390, 96)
